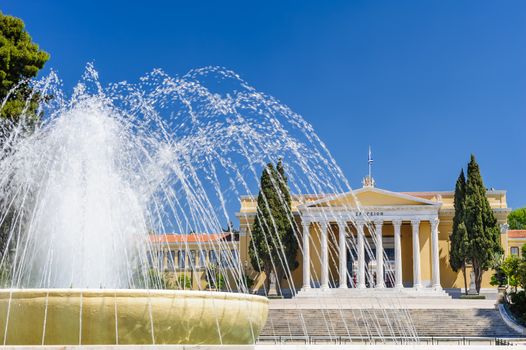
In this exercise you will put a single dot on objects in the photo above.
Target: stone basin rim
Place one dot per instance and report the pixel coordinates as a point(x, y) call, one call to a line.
point(138, 293)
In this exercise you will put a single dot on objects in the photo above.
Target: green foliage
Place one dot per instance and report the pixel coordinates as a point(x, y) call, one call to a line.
point(513, 269)
point(5, 276)
point(481, 225)
point(510, 269)
point(20, 60)
point(184, 281)
point(517, 219)
point(273, 245)
point(472, 297)
point(521, 272)
point(214, 277)
point(517, 305)
point(248, 282)
point(499, 278)
point(458, 254)
point(150, 279)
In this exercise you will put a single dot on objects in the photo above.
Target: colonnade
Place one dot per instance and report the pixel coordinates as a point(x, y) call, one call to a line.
point(360, 250)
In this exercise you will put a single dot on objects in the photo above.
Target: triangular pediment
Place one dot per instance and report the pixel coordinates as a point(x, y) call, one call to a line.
point(370, 197)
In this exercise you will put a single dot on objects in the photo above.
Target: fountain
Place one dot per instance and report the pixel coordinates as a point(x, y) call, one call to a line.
point(81, 190)
point(129, 316)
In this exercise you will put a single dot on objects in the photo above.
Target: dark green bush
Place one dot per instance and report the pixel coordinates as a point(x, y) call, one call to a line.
point(517, 305)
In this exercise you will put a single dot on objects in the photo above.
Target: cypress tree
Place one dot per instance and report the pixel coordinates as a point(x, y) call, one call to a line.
point(481, 224)
point(273, 245)
point(288, 238)
point(459, 238)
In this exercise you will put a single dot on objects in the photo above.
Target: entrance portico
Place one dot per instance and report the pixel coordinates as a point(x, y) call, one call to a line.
point(361, 220)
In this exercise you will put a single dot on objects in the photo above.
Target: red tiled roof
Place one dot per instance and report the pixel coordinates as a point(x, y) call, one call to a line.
point(187, 238)
point(516, 233)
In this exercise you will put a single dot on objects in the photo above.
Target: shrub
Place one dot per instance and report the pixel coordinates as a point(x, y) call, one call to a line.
point(517, 304)
point(214, 278)
point(184, 281)
point(498, 278)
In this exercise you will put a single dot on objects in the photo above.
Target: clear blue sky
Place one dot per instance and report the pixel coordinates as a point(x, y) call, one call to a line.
point(425, 83)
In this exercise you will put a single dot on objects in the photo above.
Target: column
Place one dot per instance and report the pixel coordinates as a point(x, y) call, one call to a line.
point(417, 284)
point(379, 255)
point(324, 256)
point(398, 254)
point(343, 253)
point(361, 254)
point(306, 255)
point(436, 259)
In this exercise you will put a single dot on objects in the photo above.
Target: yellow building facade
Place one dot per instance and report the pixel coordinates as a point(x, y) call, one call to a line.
point(515, 239)
point(375, 240)
point(197, 261)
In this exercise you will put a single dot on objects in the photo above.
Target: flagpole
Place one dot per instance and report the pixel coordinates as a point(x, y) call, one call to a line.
point(370, 162)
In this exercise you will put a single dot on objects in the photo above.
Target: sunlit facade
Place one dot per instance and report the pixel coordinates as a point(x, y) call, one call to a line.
point(344, 236)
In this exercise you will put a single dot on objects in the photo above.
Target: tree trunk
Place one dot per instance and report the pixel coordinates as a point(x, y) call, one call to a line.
point(465, 279)
point(267, 280)
point(478, 275)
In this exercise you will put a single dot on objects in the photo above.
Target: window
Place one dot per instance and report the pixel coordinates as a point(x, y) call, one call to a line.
point(212, 257)
point(202, 258)
point(191, 258)
point(171, 260)
point(514, 251)
point(182, 259)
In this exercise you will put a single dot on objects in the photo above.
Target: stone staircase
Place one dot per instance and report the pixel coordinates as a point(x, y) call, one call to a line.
point(386, 323)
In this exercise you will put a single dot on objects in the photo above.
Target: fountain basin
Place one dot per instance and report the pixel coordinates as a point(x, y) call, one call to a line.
point(129, 316)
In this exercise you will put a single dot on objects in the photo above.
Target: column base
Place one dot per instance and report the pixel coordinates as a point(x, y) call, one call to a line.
point(380, 286)
point(343, 286)
point(361, 286)
point(417, 287)
point(437, 287)
point(324, 287)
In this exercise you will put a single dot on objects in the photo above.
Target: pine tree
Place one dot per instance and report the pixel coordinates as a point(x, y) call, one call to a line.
point(517, 219)
point(20, 60)
point(273, 245)
point(458, 238)
point(481, 224)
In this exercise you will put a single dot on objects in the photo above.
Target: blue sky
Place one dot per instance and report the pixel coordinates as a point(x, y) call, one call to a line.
point(425, 83)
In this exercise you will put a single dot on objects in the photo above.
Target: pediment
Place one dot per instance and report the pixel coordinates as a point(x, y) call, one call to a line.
point(370, 197)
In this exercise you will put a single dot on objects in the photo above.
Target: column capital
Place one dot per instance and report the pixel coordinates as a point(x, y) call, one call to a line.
point(397, 222)
point(415, 221)
point(378, 222)
point(434, 222)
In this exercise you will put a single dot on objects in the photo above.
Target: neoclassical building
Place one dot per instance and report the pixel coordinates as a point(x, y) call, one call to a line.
point(344, 237)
